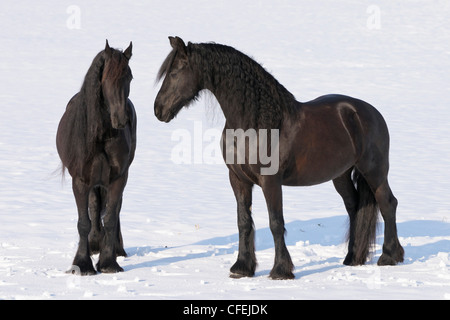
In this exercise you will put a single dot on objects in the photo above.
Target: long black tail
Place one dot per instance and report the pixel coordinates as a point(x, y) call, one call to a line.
point(366, 220)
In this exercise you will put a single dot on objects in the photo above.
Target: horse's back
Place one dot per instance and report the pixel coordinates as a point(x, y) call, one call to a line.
point(358, 117)
point(342, 103)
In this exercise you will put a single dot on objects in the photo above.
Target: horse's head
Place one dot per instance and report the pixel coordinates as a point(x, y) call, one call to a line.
point(180, 85)
point(116, 80)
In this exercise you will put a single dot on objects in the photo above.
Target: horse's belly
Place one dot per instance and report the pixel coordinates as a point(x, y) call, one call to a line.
point(309, 178)
point(318, 166)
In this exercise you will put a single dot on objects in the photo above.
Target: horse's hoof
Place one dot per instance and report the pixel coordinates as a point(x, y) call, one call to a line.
point(234, 275)
point(282, 272)
point(386, 260)
point(112, 268)
point(284, 276)
point(241, 270)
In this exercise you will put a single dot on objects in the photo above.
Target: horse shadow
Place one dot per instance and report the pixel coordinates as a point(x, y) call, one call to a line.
point(323, 231)
point(424, 228)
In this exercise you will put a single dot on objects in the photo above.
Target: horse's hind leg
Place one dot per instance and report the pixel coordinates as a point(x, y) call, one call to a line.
point(377, 180)
point(346, 189)
point(392, 250)
point(246, 262)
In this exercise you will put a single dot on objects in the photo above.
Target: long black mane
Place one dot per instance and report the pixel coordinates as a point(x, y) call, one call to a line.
point(262, 98)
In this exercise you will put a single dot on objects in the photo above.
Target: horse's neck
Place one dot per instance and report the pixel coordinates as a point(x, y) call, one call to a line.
point(232, 110)
point(241, 102)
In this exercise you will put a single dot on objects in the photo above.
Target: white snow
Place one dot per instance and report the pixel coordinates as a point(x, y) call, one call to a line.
point(179, 220)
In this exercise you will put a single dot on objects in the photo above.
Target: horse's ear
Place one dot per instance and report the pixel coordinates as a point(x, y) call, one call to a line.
point(127, 53)
point(177, 44)
point(108, 49)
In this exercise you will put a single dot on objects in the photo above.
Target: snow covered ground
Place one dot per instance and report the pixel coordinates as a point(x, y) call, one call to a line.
point(179, 220)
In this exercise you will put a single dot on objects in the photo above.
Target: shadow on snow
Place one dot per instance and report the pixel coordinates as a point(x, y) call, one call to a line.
point(324, 232)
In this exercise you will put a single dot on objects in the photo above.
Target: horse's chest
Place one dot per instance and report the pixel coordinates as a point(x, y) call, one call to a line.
point(112, 162)
point(118, 154)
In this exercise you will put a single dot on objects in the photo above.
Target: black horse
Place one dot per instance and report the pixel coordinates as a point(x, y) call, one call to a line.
point(333, 137)
point(96, 141)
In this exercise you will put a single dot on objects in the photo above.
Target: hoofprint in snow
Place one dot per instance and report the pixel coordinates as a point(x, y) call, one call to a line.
point(178, 219)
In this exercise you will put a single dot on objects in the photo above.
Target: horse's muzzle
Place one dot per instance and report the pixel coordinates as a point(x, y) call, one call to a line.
point(160, 114)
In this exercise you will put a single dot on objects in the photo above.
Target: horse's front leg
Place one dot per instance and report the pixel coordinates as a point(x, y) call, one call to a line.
point(120, 251)
point(82, 263)
point(96, 199)
point(107, 260)
point(246, 262)
point(283, 265)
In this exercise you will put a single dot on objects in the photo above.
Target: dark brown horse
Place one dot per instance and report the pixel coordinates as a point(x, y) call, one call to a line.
point(333, 137)
point(96, 141)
